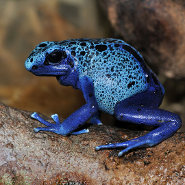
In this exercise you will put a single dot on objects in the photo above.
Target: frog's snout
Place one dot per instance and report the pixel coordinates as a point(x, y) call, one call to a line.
point(29, 65)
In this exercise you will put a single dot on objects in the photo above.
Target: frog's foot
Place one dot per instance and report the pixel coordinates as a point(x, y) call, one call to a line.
point(56, 128)
point(128, 145)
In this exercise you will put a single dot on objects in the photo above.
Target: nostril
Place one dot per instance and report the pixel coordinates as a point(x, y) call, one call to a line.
point(34, 67)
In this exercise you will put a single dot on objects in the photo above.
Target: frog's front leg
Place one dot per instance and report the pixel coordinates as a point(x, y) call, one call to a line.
point(57, 124)
point(77, 118)
point(95, 119)
point(168, 123)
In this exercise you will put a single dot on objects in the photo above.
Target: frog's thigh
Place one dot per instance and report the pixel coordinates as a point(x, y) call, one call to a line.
point(142, 108)
point(148, 98)
point(145, 103)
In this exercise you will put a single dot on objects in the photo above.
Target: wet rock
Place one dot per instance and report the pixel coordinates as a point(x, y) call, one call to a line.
point(36, 158)
point(156, 28)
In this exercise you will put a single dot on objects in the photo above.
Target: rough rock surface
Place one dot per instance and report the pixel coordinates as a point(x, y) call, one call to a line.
point(156, 28)
point(30, 158)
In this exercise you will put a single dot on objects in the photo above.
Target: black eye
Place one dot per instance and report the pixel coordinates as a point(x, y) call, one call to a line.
point(42, 45)
point(56, 56)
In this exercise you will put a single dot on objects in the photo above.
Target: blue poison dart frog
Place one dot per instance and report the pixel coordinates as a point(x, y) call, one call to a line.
point(113, 78)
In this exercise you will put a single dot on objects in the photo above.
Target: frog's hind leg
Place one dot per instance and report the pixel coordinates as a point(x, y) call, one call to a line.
point(141, 109)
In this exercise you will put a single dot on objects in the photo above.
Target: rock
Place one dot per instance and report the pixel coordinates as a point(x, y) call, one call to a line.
point(46, 158)
point(156, 28)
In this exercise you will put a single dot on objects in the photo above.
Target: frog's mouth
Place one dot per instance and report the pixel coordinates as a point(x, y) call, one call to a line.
point(50, 70)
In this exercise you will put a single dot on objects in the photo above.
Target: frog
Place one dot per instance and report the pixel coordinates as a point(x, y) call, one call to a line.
point(113, 78)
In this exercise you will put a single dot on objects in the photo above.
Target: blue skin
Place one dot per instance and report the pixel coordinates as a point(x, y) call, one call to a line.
point(113, 78)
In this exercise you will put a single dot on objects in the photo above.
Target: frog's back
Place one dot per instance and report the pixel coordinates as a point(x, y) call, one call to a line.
point(117, 70)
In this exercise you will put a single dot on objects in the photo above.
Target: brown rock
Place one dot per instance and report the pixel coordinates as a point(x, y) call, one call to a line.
point(27, 157)
point(156, 28)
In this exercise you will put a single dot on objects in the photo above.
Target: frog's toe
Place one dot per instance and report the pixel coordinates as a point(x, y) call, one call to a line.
point(96, 123)
point(111, 145)
point(128, 145)
point(49, 129)
point(55, 118)
point(41, 120)
point(35, 115)
point(84, 131)
point(36, 129)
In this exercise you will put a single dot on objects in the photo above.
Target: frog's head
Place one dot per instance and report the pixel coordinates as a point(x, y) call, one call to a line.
point(50, 59)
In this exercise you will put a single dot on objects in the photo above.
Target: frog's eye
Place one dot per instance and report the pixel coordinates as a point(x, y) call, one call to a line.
point(55, 57)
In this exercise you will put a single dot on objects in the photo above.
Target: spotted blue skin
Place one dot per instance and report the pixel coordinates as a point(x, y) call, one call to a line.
point(113, 78)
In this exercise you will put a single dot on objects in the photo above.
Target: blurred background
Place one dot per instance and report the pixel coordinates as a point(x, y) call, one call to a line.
point(155, 28)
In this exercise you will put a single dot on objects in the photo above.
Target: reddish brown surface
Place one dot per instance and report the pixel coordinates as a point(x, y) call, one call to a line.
point(27, 157)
